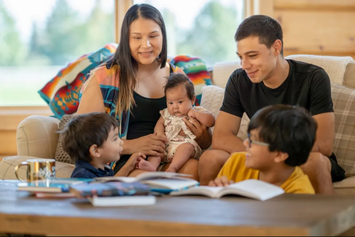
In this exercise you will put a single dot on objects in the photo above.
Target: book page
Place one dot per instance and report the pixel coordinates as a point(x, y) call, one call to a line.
point(254, 189)
point(211, 192)
point(174, 184)
point(122, 201)
point(144, 176)
point(159, 174)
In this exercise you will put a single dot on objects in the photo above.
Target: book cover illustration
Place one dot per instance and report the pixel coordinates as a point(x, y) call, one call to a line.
point(50, 185)
point(109, 189)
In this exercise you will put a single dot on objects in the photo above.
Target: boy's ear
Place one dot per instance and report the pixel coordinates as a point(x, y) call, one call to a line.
point(280, 157)
point(94, 151)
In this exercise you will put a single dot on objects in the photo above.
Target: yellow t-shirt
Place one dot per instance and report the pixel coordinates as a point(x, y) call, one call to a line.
point(234, 169)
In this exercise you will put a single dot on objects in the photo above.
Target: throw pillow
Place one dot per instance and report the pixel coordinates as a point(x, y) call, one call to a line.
point(344, 140)
point(62, 92)
point(212, 99)
point(60, 154)
point(196, 70)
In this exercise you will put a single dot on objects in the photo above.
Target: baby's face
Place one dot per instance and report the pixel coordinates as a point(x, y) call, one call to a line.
point(178, 102)
point(112, 148)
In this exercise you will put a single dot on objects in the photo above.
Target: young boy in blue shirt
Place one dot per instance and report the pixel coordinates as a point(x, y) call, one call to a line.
point(92, 141)
point(280, 138)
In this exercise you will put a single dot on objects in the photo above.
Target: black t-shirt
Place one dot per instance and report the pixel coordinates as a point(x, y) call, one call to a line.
point(142, 121)
point(306, 85)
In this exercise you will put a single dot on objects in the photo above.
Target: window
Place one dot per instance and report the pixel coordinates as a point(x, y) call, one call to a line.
point(39, 37)
point(203, 28)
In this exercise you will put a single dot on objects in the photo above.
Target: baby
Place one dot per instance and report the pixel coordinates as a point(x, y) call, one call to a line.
point(92, 141)
point(180, 98)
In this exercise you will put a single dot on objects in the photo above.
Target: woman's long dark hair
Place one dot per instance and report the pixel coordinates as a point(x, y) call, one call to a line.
point(127, 65)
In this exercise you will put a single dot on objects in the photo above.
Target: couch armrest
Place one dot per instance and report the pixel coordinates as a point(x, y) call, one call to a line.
point(7, 168)
point(37, 136)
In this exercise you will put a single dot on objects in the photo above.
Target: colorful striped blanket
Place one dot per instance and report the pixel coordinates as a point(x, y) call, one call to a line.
point(61, 93)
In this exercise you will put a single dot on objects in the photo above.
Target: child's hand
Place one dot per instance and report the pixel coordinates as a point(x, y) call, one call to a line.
point(220, 182)
point(191, 113)
point(132, 162)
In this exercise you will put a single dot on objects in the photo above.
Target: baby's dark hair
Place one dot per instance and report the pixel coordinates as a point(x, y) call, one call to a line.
point(85, 130)
point(176, 79)
point(287, 129)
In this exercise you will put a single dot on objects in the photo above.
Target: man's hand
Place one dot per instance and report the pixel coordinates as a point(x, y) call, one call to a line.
point(220, 182)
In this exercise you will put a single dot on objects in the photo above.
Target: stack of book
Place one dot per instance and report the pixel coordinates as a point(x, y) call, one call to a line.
point(112, 191)
point(51, 188)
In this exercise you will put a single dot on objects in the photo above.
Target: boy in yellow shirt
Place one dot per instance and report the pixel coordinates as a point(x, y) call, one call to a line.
point(280, 138)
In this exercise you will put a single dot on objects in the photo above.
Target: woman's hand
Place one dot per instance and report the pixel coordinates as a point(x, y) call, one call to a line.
point(220, 182)
point(150, 145)
point(202, 133)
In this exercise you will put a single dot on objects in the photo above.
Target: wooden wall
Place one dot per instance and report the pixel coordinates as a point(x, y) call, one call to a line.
point(10, 117)
point(322, 27)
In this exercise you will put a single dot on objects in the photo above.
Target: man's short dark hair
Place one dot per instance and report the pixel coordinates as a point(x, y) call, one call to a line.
point(85, 130)
point(287, 129)
point(176, 79)
point(266, 28)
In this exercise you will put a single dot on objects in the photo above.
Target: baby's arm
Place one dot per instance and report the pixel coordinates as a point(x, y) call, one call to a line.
point(205, 117)
point(159, 127)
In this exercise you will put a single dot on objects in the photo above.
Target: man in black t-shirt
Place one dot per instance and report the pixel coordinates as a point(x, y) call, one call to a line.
point(267, 78)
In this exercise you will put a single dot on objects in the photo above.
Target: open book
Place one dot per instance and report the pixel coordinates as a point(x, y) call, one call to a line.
point(251, 188)
point(158, 181)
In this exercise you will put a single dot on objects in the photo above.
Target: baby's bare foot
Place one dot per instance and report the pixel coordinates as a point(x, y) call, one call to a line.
point(146, 165)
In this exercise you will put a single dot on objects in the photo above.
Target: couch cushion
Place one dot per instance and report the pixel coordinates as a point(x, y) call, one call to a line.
point(60, 154)
point(222, 71)
point(334, 66)
point(37, 136)
point(7, 168)
point(349, 77)
point(212, 99)
point(344, 141)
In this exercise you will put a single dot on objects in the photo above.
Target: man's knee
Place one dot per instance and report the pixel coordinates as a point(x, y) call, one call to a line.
point(213, 158)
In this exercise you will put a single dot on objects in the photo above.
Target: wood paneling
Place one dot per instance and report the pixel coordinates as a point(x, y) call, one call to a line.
point(8, 143)
point(321, 27)
point(331, 31)
point(10, 117)
point(305, 5)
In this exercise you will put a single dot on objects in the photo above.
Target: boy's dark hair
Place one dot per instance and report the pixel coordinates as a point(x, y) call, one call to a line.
point(287, 129)
point(85, 130)
point(266, 28)
point(176, 79)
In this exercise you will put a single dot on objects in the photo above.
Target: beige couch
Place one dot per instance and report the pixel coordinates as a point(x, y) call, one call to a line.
point(37, 136)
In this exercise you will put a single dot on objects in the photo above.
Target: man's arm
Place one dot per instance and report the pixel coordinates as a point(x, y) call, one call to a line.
point(224, 133)
point(325, 133)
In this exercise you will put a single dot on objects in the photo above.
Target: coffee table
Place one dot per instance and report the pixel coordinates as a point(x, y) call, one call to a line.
point(284, 215)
